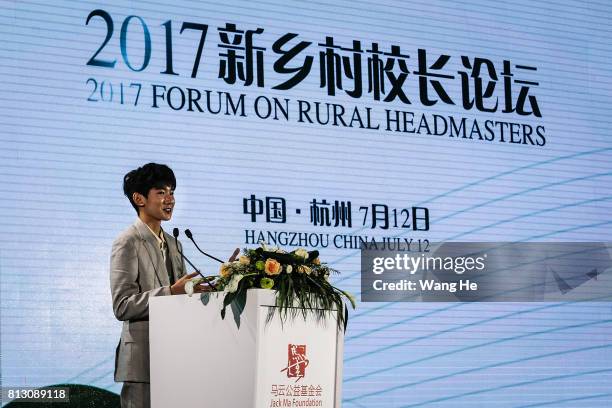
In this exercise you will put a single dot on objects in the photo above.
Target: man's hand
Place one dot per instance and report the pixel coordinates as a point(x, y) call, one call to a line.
point(179, 287)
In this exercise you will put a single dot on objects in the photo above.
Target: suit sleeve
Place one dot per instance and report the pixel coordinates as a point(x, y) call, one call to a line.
point(129, 303)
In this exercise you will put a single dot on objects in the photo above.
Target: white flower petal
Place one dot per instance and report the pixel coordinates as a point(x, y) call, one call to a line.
point(189, 288)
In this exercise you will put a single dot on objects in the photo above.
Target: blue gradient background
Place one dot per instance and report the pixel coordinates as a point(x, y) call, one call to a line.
point(63, 158)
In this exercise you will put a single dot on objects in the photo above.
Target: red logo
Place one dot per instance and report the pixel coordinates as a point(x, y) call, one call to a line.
point(296, 361)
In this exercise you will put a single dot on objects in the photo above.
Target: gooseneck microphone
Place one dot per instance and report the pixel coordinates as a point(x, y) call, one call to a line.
point(190, 236)
point(175, 233)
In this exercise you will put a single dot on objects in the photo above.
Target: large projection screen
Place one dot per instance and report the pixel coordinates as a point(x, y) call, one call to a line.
point(313, 124)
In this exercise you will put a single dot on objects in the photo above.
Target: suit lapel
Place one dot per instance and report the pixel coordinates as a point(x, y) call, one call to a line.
point(152, 248)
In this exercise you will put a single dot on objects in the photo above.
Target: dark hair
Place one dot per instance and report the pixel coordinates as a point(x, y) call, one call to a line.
point(143, 179)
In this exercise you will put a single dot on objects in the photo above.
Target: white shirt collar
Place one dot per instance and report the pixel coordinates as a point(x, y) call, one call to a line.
point(161, 239)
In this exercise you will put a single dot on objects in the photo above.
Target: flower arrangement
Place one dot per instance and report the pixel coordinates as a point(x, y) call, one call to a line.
point(300, 279)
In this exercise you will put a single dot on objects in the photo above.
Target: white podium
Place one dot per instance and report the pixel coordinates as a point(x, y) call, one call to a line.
point(199, 360)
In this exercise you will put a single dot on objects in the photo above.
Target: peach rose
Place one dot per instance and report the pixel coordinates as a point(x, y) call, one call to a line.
point(245, 260)
point(225, 270)
point(272, 267)
point(304, 269)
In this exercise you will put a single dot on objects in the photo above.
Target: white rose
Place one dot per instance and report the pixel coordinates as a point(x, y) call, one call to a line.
point(289, 268)
point(302, 253)
point(232, 286)
point(190, 285)
point(189, 288)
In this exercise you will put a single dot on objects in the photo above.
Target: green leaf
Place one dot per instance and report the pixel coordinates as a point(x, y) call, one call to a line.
point(236, 312)
point(350, 298)
point(240, 300)
point(228, 299)
point(205, 298)
point(312, 255)
point(345, 317)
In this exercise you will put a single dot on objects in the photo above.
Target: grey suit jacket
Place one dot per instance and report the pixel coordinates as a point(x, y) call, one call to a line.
point(138, 271)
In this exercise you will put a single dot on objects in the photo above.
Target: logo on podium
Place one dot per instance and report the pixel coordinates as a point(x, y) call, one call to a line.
point(296, 361)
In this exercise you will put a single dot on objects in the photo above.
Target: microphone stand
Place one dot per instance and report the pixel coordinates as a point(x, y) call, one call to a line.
point(175, 233)
point(190, 236)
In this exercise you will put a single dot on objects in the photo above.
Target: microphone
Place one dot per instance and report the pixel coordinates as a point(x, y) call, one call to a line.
point(175, 233)
point(190, 236)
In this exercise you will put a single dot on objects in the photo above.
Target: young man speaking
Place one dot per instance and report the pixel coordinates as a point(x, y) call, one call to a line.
point(144, 262)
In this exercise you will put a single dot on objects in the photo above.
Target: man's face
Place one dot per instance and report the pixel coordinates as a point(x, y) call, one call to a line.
point(158, 205)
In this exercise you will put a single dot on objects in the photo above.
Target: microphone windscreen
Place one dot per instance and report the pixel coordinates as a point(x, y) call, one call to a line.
point(188, 233)
point(175, 232)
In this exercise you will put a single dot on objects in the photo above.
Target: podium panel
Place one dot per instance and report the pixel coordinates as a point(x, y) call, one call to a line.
point(200, 360)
